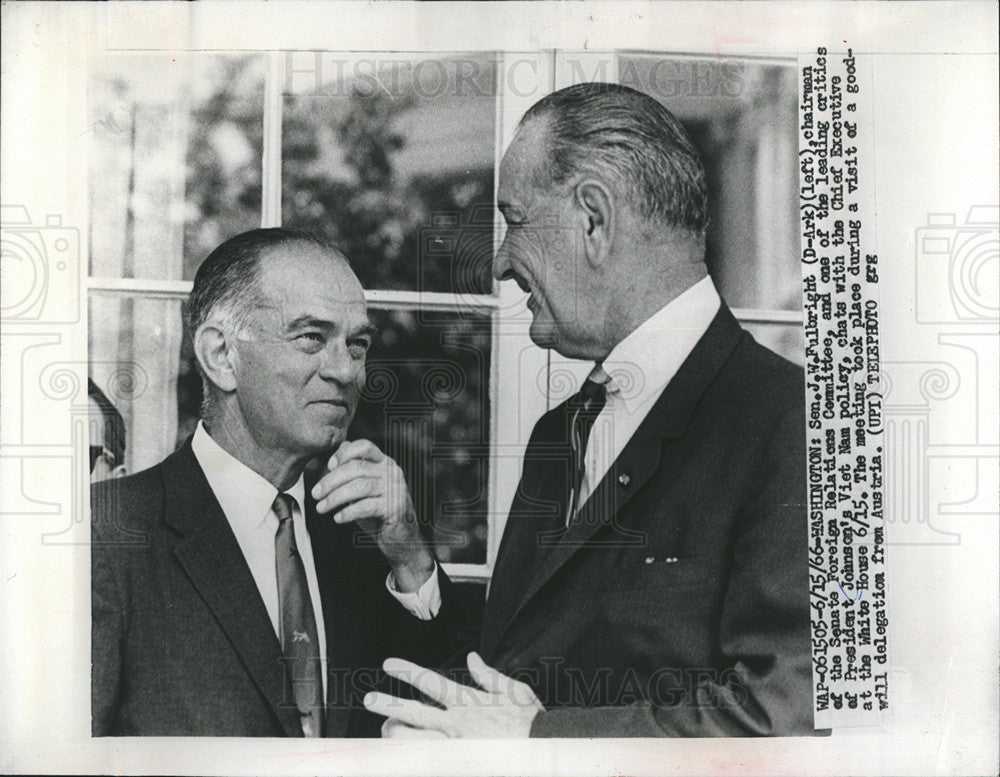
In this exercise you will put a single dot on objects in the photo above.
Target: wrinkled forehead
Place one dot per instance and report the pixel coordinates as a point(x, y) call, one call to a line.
point(301, 279)
point(525, 154)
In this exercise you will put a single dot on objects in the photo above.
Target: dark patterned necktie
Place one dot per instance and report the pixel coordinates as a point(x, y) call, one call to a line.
point(299, 640)
point(586, 405)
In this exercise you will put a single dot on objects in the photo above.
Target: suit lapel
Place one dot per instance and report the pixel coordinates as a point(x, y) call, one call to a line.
point(641, 457)
point(538, 509)
point(335, 572)
point(213, 561)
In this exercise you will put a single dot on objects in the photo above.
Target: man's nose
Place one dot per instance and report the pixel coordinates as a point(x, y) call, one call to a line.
point(338, 365)
point(501, 262)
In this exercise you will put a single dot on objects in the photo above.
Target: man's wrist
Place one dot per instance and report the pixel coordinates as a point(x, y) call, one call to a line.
point(409, 575)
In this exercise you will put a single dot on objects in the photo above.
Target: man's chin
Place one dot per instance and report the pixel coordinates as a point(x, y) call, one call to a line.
point(546, 337)
point(326, 440)
point(542, 333)
point(335, 438)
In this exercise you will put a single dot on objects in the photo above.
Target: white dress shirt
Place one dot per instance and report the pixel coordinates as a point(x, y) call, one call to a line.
point(246, 499)
point(636, 372)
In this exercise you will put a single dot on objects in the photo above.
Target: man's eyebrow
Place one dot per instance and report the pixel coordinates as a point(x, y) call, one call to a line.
point(310, 320)
point(368, 330)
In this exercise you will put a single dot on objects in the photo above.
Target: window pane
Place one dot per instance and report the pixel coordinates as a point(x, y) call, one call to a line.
point(375, 152)
point(427, 405)
point(175, 160)
point(743, 118)
point(139, 360)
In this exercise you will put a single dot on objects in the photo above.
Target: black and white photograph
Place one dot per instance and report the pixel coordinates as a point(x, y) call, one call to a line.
point(614, 594)
point(499, 371)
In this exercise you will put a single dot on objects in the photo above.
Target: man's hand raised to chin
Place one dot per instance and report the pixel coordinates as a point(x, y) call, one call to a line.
point(364, 485)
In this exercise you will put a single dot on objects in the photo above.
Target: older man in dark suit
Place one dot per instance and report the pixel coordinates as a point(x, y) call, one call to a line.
point(222, 604)
point(652, 577)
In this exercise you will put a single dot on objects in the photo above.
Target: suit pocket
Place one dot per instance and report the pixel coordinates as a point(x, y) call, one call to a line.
point(648, 574)
point(664, 613)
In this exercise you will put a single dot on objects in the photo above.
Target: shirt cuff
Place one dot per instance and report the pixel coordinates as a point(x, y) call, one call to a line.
point(425, 602)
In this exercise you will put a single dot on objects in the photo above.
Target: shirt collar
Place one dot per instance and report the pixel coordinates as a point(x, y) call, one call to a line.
point(244, 495)
point(642, 364)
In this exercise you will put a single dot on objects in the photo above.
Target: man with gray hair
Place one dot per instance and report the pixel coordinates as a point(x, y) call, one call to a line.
point(652, 576)
point(222, 604)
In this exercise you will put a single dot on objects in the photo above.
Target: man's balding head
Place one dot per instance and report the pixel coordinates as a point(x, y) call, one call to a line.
point(225, 286)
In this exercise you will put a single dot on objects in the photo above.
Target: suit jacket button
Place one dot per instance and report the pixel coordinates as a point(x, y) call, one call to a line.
point(624, 479)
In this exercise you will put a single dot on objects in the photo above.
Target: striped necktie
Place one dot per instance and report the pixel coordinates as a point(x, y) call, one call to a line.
point(299, 639)
point(586, 405)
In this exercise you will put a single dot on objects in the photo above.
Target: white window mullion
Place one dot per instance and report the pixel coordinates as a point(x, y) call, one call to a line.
point(468, 573)
point(429, 300)
point(576, 67)
point(391, 299)
point(141, 287)
point(270, 179)
point(379, 298)
point(765, 316)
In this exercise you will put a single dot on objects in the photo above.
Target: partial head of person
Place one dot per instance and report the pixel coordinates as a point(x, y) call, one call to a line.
point(281, 333)
point(606, 208)
point(107, 436)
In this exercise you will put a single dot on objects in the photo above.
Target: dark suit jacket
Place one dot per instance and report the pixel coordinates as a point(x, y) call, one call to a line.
point(181, 640)
point(678, 606)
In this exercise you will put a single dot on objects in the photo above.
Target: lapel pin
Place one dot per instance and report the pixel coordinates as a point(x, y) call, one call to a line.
point(624, 479)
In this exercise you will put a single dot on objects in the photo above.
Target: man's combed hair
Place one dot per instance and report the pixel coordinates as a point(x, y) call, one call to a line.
point(627, 137)
point(225, 286)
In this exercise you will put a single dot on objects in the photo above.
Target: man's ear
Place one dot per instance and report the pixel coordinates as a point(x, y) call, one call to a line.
point(596, 205)
point(214, 348)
